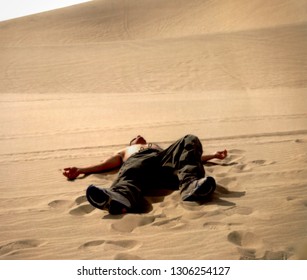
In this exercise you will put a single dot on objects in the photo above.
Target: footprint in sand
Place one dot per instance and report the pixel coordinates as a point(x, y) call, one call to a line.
point(249, 245)
point(219, 225)
point(261, 162)
point(68, 204)
point(79, 207)
point(172, 223)
point(81, 199)
point(244, 239)
point(258, 162)
point(235, 161)
point(60, 204)
point(250, 254)
point(247, 253)
point(234, 156)
point(130, 222)
point(90, 244)
point(241, 168)
point(13, 247)
point(279, 255)
point(111, 244)
point(82, 210)
point(125, 256)
point(230, 211)
point(241, 210)
point(230, 182)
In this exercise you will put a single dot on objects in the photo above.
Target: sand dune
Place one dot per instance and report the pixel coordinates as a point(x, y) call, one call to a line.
point(108, 20)
point(78, 83)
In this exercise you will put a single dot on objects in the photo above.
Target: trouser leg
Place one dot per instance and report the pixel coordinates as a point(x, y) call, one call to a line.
point(136, 175)
point(184, 156)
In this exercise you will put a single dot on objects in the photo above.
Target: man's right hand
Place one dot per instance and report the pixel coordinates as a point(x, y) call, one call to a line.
point(71, 173)
point(221, 154)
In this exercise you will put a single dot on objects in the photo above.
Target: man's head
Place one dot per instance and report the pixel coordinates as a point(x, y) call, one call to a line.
point(138, 140)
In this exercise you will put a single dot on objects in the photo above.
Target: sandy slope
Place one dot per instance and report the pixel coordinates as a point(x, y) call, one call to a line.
point(78, 83)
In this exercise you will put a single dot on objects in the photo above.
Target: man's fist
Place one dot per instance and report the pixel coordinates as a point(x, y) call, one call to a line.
point(221, 154)
point(71, 173)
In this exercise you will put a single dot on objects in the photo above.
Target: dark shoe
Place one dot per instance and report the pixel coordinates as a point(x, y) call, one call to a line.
point(106, 199)
point(200, 189)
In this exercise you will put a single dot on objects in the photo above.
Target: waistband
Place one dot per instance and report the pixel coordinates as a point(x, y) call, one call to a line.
point(148, 150)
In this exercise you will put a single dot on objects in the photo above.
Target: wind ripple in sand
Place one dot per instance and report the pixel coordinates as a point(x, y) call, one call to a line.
point(110, 244)
point(13, 247)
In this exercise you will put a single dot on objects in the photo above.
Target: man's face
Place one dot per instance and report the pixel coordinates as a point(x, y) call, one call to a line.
point(138, 140)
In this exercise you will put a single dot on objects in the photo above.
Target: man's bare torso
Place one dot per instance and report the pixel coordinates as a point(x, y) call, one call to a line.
point(131, 150)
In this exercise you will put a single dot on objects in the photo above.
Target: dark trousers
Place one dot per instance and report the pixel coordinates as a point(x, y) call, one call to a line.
point(173, 168)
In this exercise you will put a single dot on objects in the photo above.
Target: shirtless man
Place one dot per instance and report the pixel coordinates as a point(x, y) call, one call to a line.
point(146, 165)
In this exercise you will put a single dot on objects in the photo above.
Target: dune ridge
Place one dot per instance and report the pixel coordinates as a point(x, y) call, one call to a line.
point(110, 20)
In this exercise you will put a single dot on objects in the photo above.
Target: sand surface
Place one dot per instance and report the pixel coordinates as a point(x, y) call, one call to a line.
point(78, 83)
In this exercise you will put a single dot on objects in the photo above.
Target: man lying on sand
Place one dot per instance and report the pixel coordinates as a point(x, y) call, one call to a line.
point(146, 166)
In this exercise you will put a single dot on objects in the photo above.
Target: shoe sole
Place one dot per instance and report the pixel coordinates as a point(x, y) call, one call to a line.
point(209, 182)
point(202, 191)
point(105, 199)
point(97, 197)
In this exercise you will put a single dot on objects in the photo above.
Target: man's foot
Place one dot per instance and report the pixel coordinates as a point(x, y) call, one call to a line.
point(106, 199)
point(200, 189)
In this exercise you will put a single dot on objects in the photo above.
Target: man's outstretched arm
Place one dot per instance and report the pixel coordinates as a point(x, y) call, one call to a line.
point(113, 162)
point(217, 155)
